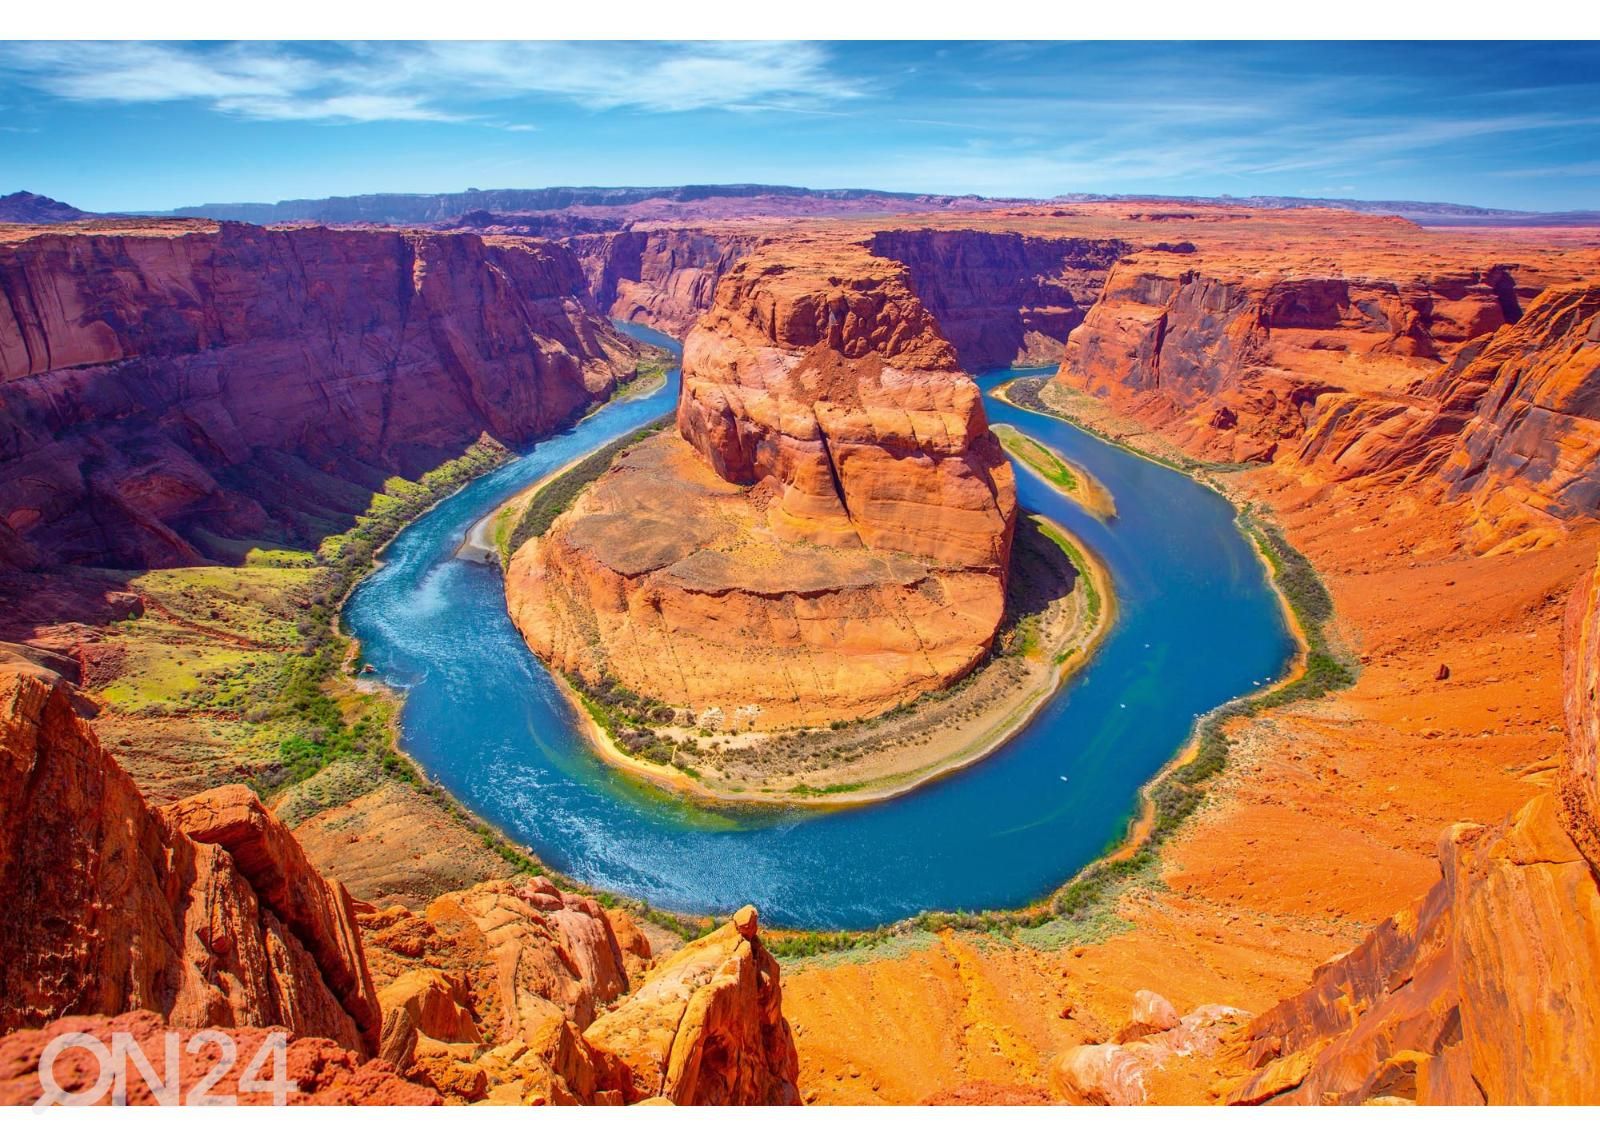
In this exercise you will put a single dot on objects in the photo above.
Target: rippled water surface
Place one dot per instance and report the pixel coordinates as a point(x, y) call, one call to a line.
point(1197, 624)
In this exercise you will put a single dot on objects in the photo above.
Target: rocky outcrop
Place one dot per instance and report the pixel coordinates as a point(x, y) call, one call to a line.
point(1003, 297)
point(1485, 992)
point(828, 535)
point(1122, 1072)
point(708, 1028)
point(1511, 423)
point(165, 385)
point(666, 278)
point(206, 914)
point(111, 906)
point(490, 990)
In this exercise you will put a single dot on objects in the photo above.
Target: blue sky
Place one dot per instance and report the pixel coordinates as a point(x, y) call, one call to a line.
point(122, 125)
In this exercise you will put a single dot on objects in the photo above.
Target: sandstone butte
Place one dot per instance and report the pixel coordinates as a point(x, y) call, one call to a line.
point(1420, 410)
point(826, 536)
point(208, 914)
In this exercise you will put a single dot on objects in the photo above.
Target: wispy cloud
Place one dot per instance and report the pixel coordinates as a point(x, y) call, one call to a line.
point(439, 82)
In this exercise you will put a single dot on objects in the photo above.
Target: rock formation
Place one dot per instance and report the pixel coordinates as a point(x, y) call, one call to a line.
point(1237, 355)
point(111, 906)
point(708, 1027)
point(827, 536)
point(1512, 423)
point(491, 988)
point(1120, 1072)
point(206, 914)
point(664, 277)
point(1486, 991)
point(167, 384)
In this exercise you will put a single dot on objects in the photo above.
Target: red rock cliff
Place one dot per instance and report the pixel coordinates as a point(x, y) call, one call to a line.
point(1003, 297)
point(1230, 357)
point(1489, 990)
point(662, 277)
point(1512, 423)
point(162, 382)
point(206, 912)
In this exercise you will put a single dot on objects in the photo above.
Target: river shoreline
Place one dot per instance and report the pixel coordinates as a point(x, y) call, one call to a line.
point(1071, 653)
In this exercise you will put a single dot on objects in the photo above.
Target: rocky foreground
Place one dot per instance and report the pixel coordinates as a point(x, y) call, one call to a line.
point(826, 536)
point(207, 913)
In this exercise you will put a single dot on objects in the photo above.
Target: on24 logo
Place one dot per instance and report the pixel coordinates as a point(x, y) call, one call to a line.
point(166, 1086)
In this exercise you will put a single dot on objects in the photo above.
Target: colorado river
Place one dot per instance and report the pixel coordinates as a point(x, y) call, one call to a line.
point(1197, 624)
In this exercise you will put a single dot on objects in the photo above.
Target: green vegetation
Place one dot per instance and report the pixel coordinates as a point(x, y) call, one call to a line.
point(255, 649)
point(626, 717)
point(1091, 591)
point(561, 491)
point(648, 377)
point(1038, 457)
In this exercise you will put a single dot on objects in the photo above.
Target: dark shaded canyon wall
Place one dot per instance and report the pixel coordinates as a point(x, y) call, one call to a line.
point(1489, 990)
point(1001, 297)
point(664, 278)
point(230, 378)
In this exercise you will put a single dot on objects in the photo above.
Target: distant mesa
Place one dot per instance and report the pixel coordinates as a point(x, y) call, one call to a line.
point(26, 207)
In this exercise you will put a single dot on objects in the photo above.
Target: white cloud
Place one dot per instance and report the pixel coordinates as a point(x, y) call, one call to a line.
point(442, 81)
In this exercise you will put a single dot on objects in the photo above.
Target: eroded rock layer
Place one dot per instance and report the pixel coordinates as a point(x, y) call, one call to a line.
point(165, 384)
point(667, 277)
point(1487, 991)
point(826, 537)
point(1512, 423)
point(206, 912)
point(1003, 297)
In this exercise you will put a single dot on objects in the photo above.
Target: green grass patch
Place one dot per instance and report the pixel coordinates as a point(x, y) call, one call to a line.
point(1038, 457)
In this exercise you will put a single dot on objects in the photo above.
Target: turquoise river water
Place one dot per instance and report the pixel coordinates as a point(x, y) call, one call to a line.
point(1197, 624)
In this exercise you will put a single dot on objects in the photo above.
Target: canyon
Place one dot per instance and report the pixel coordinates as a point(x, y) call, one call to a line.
point(177, 392)
point(1415, 409)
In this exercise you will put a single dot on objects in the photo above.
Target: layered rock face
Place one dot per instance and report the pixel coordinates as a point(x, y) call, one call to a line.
point(1232, 359)
point(206, 912)
point(1487, 991)
point(827, 536)
point(666, 278)
point(1003, 297)
point(167, 383)
point(1511, 423)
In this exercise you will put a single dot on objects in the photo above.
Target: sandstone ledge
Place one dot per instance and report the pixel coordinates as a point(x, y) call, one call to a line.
point(1059, 606)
